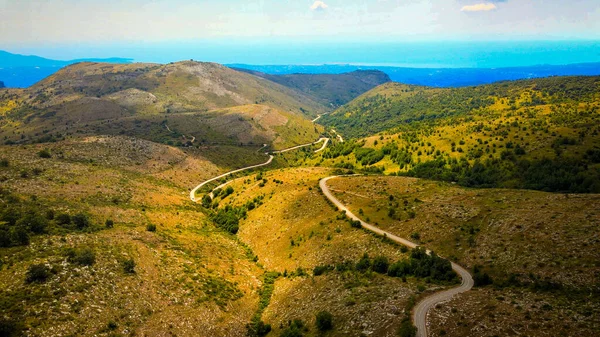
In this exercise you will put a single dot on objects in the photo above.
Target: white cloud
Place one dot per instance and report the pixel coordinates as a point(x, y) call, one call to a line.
point(318, 6)
point(482, 7)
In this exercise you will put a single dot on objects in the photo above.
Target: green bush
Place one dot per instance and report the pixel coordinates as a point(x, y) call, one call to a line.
point(63, 219)
point(37, 273)
point(33, 222)
point(295, 328)
point(44, 154)
point(151, 227)
point(380, 264)
point(10, 327)
point(206, 201)
point(129, 266)
point(407, 329)
point(364, 263)
point(81, 221)
point(324, 321)
point(83, 257)
point(109, 223)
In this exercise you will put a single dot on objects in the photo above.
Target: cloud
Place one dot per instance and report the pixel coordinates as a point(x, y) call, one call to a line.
point(482, 7)
point(318, 6)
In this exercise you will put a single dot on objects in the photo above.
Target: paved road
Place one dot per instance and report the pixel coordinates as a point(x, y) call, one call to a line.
point(324, 145)
point(299, 146)
point(193, 191)
point(422, 308)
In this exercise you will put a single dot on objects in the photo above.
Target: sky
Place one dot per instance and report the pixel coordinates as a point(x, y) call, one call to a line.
point(77, 28)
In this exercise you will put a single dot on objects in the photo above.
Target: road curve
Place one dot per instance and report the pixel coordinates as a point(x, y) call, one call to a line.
point(422, 308)
point(303, 145)
point(193, 191)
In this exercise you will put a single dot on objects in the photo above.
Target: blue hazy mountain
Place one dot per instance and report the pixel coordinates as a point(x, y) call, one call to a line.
point(21, 71)
point(437, 77)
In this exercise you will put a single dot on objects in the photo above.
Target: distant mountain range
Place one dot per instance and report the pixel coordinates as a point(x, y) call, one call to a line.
point(437, 77)
point(21, 71)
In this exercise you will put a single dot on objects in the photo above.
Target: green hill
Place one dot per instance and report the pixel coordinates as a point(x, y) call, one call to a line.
point(536, 134)
point(331, 90)
point(393, 104)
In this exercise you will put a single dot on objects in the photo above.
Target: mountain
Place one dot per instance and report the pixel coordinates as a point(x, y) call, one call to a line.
point(10, 60)
point(21, 71)
point(141, 99)
point(437, 77)
point(1, 84)
point(331, 90)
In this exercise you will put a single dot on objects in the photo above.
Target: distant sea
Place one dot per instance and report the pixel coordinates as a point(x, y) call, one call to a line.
point(460, 60)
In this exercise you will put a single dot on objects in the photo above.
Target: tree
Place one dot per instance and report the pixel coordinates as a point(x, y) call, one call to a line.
point(324, 321)
point(109, 223)
point(151, 227)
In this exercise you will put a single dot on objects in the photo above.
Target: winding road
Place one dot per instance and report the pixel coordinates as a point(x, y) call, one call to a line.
point(422, 308)
point(193, 191)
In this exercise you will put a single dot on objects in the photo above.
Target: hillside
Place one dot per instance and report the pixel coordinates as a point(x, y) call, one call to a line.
point(540, 134)
point(331, 90)
point(391, 104)
point(205, 102)
point(534, 255)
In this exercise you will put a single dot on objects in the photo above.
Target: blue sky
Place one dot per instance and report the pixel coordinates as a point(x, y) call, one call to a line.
point(85, 28)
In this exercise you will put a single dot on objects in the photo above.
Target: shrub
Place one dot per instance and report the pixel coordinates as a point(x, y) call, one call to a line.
point(81, 221)
point(83, 257)
point(33, 223)
point(19, 236)
point(129, 266)
point(37, 273)
point(380, 264)
point(228, 191)
point(4, 162)
point(44, 154)
point(109, 223)
point(10, 327)
point(364, 263)
point(206, 201)
point(257, 329)
point(320, 270)
point(407, 329)
point(112, 325)
point(295, 329)
point(151, 227)
point(324, 321)
point(63, 219)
